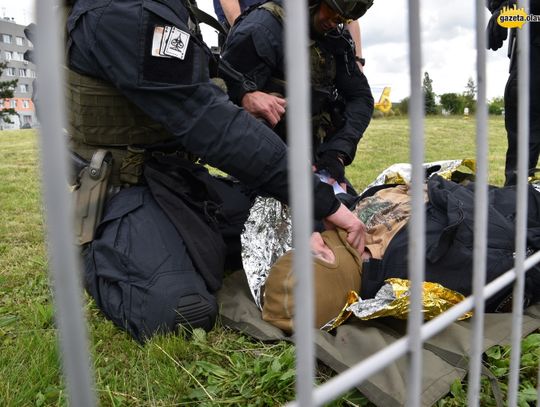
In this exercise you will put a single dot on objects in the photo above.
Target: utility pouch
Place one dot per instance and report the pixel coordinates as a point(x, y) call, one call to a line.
point(90, 194)
point(132, 165)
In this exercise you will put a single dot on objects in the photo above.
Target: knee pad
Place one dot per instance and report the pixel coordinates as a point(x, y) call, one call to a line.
point(196, 311)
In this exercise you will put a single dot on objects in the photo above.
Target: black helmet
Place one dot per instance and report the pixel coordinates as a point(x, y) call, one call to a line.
point(350, 9)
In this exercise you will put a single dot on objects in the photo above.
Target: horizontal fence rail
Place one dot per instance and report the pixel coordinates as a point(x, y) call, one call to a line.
point(354, 376)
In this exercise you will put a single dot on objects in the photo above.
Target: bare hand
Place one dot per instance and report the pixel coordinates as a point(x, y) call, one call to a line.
point(265, 106)
point(356, 230)
point(320, 250)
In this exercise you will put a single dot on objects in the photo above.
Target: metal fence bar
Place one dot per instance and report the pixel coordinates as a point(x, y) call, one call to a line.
point(538, 388)
point(64, 267)
point(297, 74)
point(480, 210)
point(417, 222)
point(521, 216)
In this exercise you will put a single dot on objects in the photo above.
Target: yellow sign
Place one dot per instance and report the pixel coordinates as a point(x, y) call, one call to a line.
point(515, 17)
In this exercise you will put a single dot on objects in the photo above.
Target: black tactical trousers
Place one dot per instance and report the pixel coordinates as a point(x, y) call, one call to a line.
point(511, 119)
point(140, 273)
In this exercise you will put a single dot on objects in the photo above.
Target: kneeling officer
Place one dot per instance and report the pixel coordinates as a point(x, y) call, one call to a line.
point(139, 88)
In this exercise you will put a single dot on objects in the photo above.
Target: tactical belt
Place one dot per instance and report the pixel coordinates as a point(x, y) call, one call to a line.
point(127, 166)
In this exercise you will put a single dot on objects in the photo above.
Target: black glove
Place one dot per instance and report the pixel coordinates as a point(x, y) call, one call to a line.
point(493, 5)
point(332, 162)
point(495, 33)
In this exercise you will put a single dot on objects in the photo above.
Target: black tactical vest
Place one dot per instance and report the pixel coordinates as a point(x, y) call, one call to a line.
point(323, 78)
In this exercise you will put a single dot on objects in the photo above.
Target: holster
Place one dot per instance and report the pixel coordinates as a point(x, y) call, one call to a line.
point(90, 194)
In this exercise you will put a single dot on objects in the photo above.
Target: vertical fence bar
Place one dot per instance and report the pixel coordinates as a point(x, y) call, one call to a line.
point(297, 74)
point(523, 40)
point(417, 221)
point(63, 262)
point(538, 388)
point(480, 210)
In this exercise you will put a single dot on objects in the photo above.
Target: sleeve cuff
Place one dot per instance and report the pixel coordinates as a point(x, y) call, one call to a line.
point(324, 201)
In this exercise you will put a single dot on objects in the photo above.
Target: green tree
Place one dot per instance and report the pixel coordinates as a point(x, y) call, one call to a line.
point(6, 92)
point(453, 103)
point(429, 95)
point(404, 106)
point(470, 95)
point(496, 106)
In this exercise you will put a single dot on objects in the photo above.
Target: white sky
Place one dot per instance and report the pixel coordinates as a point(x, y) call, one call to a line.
point(448, 44)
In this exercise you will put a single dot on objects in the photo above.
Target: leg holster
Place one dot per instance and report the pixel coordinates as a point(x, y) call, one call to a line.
point(90, 193)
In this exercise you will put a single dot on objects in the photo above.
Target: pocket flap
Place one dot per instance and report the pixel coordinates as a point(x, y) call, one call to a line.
point(132, 198)
point(176, 16)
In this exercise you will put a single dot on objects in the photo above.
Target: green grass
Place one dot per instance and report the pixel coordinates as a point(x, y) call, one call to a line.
point(386, 142)
point(219, 368)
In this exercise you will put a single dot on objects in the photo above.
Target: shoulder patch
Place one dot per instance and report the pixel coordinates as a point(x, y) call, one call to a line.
point(169, 42)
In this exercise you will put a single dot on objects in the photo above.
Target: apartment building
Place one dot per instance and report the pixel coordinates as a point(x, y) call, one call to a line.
point(13, 45)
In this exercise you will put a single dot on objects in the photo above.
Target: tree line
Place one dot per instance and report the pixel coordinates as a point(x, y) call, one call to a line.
point(452, 103)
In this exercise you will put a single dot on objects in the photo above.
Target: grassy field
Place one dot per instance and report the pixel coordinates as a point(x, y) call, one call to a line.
point(386, 142)
point(219, 368)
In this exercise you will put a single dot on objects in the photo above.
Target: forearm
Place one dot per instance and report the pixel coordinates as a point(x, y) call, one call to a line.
point(354, 30)
point(231, 9)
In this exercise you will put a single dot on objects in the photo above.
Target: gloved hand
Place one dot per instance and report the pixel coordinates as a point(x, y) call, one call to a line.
point(493, 5)
point(332, 162)
point(495, 33)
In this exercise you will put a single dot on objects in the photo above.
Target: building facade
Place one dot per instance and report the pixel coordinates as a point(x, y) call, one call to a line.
point(13, 45)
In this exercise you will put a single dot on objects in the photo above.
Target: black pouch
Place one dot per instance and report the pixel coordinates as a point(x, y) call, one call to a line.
point(184, 191)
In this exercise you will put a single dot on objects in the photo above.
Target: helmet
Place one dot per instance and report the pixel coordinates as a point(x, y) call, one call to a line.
point(350, 9)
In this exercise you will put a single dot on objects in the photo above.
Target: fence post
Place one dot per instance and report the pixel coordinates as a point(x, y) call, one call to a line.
point(417, 221)
point(300, 189)
point(523, 41)
point(64, 267)
point(480, 210)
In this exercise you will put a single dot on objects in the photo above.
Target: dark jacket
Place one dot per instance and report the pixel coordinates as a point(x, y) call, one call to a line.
point(221, 14)
point(255, 47)
point(449, 242)
point(113, 40)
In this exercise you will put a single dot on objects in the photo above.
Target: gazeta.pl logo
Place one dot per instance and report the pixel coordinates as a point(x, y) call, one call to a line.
point(513, 17)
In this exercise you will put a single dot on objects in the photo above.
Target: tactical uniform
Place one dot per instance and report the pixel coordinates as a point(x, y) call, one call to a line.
point(496, 36)
point(157, 256)
point(220, 14)
point(511, 106)
point(342, 103)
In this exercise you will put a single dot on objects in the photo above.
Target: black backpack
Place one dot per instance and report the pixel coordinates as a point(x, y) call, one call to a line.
point(449, 243)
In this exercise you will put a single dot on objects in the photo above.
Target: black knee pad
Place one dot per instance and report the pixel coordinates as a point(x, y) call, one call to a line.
point(196, 311)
